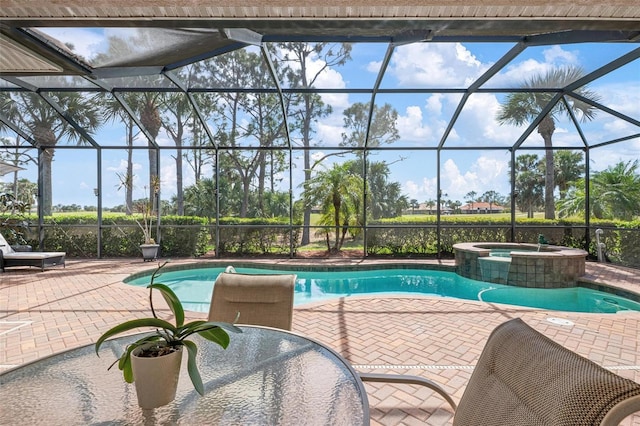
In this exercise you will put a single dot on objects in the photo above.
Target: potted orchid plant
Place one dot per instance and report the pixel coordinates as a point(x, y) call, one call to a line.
point(153, 361)
point(149, 247)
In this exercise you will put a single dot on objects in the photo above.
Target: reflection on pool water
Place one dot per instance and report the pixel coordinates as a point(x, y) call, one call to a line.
point(194, 287)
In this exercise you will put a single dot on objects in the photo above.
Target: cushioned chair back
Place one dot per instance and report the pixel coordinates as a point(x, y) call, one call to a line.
point(261, 299)
point(525, 378)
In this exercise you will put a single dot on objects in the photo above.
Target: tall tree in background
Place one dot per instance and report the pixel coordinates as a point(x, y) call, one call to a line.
point(149, 110)
point(113, 111)
point(569, 167)
point(31, 112)
point(522, 107)
point(295, 61)
point(384, 129)
point(385, 197)
point(123, 47)
point(491, 197)
point(471, 197)
point(250, 119)
point(529, 185)
point(177, 113)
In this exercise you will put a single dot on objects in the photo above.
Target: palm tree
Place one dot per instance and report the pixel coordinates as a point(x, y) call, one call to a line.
point(430, 203)
point(385, 199)
point(149, 110)
point(522, 107)
point(113, 111)
point(492, 198)
point(339, 192)
point(614, 193)
point(31, 111)
point(471, 197)
point(414, 205)
point(528, 185)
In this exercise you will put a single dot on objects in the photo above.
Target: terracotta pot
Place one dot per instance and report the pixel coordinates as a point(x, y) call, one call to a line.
point(156, 378)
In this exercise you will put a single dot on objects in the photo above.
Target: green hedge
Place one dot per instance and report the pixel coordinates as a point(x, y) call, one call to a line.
point(257, 237)
point(181, 236)
point(409, 236)
point(77, 235)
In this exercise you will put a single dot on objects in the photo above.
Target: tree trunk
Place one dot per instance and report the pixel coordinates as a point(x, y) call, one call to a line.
point(336, 207)
point(47, 199)
point(179, 183)
point(546, 129)
point(153, 174)
point(306, 219)
point(262, 172)
point(128, 188)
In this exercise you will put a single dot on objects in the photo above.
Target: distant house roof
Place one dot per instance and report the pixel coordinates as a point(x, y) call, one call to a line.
point(482, 206)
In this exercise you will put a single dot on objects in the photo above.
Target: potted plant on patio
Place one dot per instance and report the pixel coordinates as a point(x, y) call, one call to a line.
point(149, 247)
point(153, 361)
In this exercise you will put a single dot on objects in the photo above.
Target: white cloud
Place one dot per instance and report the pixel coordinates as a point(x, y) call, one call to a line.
point(410, 126)
point(487, 172)
point(328, 133)
point(622, 97)
point(374, 66)
point(434, 104)
point(514, 74)
point(422, 191)
point(557, 55)
point(435, 65)
point(425, 125)
point(122, 167)
point(477, 124)
point(168, 183)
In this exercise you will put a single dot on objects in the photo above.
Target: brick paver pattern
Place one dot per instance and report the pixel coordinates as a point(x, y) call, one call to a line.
point(42, 313)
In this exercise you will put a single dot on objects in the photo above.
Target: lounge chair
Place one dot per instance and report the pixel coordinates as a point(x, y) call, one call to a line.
point(17, 256)
point(265, 300)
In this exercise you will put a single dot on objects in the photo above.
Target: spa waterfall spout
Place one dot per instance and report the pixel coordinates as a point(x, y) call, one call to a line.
point(542, 241)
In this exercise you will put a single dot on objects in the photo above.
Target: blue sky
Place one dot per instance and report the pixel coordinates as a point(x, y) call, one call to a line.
point(421, 122)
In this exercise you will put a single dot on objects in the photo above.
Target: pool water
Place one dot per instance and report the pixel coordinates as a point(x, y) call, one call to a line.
point(195, 286)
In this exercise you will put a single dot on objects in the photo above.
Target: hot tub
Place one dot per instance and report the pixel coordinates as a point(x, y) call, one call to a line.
point(520, 264)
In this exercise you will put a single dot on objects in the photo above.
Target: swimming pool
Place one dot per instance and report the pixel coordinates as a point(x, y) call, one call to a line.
point(194, 287)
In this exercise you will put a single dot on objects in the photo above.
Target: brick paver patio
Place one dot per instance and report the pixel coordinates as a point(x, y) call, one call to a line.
point(42, 313)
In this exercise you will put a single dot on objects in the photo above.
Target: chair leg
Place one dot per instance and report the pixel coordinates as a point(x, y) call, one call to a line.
point(409, 380)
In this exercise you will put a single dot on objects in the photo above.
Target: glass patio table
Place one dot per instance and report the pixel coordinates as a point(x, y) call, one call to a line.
point(265, 377)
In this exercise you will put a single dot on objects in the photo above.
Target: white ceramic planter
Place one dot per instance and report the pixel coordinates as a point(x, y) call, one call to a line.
point(156, 379)
point(149, 251)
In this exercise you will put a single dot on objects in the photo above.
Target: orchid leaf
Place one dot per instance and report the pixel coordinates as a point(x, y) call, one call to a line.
point(172, 300)
point(192, 367)
point(130, 325)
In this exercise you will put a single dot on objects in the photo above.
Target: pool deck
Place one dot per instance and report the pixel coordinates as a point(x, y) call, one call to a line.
point(42, 313)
